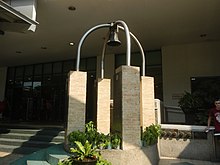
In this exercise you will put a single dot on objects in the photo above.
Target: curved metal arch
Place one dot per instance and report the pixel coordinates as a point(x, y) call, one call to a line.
point(141, 50)
point(128, 39)
point(82, 40)
point(127, 33)
point(139, 45)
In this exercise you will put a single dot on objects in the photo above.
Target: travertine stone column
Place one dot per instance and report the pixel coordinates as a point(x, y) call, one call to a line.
point(147, 101)
point(126, 114)
point(103, 105)
point(76, 102)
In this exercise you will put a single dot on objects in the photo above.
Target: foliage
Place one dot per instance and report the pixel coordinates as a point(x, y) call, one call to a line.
point(68, 161)
point(115, 140)
point(91, 133)
point(102, 161)
point(84, 145)
point(189, 103)
point(89, 127)
point(151, 134)
point(94, 137)
point(84, 151)
point(76, 136)
point(207, 89)
point(101, 140)
point(108, 141)
point(202, 118)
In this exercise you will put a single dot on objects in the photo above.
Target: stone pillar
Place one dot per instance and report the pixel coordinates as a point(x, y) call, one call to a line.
point(147, 101)
point(126, 114)
point(76, 102)
point(103, 105)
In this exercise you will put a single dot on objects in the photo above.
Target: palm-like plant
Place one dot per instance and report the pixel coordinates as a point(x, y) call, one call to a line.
point(84, 152)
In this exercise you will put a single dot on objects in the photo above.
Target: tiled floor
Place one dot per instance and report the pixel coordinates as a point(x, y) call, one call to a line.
point(7, 158)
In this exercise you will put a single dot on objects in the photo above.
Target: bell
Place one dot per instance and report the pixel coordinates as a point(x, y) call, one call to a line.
point(113, 37)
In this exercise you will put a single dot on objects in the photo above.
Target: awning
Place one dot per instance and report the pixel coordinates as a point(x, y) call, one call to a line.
point(13, 20)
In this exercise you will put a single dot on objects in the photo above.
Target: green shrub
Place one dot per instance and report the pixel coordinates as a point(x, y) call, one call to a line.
point(151, 134)
point(83, 145)
point(84, 151)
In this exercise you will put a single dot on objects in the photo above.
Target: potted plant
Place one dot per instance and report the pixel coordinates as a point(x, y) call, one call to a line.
point(189, 103)
point(101, 140)
point(76, 136)
point(83, 146)
point(115, 141)
point(150, 134)
point(108, 142)
point(82, 155)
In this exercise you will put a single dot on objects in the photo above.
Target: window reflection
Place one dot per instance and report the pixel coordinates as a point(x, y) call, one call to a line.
point(32, 89)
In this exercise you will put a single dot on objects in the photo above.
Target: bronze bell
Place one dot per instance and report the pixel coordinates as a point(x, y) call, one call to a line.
point(113, 37)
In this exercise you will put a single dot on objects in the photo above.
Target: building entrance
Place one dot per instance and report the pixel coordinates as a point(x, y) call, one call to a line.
point(39, 99)
point(38, 93)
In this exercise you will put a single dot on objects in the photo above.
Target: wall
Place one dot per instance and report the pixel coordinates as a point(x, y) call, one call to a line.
point(180, 62)
point(3, 74)
point(198, 149)
point(142, 156)
point(109, 68)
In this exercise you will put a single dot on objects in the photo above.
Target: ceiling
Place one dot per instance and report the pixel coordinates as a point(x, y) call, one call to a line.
point(155, 23)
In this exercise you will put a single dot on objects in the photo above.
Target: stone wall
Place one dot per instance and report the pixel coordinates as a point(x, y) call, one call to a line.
point(103, 105)
point(147, 101)
point(198, 149)
point(76, 102)
point(126, 114)
point(138, 156)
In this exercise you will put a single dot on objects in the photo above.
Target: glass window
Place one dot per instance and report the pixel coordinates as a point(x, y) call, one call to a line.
point(47, 68)
point(120, 59)
point(82, 64)
point(37, 82)
point(11, 73)
point(57, 67)
point(38, 69)
point(153, 58)
point(28, 70)
point(68, 66)
point(91, 64)
point(18, 83)
point(29, 86)
point(153, 67)
point(136, 59)
point(19, 71)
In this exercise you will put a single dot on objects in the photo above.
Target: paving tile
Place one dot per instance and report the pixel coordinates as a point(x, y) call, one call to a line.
point(3, 154)
point(9, 158)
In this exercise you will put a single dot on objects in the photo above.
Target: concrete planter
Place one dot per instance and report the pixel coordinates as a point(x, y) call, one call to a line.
point(140, 156)
point(200, 149)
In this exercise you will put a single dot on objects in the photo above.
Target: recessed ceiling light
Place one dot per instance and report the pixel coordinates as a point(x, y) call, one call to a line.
point(72, 8)
point(2, 32)
point(71, 43)
point(203, 35)
point(43, 47)
point(19, 52)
